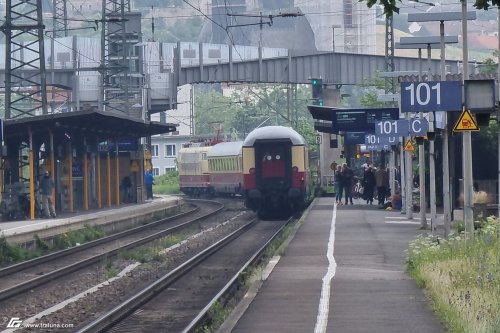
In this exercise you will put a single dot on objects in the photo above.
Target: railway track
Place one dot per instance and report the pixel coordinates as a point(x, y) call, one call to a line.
point(31, 274)
point(180, 300)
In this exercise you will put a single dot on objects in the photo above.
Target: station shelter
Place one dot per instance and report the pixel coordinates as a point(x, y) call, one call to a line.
point(89, 155)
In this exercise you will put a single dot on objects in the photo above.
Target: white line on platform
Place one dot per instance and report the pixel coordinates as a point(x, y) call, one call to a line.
point(402, 222)
point(324, 302)
point(402, 218)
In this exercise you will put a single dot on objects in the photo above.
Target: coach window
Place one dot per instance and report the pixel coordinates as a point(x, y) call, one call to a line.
point(203, 156)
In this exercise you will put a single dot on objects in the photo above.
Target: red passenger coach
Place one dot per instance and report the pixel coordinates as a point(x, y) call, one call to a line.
point(275, 171)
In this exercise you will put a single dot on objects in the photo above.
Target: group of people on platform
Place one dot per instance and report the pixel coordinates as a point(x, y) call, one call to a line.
point(345, 185)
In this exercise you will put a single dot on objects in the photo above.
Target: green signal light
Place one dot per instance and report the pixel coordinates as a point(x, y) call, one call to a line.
point(320, 103)
point(315, 82)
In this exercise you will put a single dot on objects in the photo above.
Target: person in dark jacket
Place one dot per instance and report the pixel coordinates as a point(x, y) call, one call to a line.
point(46, 187)
point(347, 176)
point(382, 182)
point(368, 185)
point(338, 185)
point(127, 188)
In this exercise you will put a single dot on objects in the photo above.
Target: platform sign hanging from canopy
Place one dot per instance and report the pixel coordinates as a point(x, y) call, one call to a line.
point(352, 120)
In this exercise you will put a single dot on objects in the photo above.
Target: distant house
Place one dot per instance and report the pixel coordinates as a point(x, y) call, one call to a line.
point(164, 150)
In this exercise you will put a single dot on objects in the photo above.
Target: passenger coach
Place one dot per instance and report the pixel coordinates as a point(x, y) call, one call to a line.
point(275, 171)
point(225, 168)
point(192, 164)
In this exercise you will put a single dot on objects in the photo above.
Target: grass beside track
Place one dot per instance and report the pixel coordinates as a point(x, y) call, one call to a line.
point(13, 253)
point(462, 277)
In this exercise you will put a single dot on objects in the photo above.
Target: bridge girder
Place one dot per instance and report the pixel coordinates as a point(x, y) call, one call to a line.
point(298, 68)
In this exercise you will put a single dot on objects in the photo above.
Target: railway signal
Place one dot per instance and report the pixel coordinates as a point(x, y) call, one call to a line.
point(317, 91)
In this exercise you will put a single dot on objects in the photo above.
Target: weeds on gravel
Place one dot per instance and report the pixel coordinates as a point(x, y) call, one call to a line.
point(111, 270)
point(72, 238)
point(153, 252)
point(462, 277)
point(217, 315)
point(142, 255)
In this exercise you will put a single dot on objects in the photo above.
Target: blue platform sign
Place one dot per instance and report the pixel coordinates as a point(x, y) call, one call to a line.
point(402, 127)
point(372, 139)
point(375, 147)
point(431, 96)
point(357, 120)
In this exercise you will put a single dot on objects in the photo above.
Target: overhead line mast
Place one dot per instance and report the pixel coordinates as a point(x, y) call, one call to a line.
point(25, 94)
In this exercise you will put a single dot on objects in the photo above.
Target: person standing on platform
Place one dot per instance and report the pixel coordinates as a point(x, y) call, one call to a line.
point(46, 187)
point(338, 184)
point(347, 176)
point(127, 188)
point(149, 181)
point(368, 185)
point(382, 182)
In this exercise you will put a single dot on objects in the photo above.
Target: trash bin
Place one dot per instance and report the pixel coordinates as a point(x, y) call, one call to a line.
point(139, 194)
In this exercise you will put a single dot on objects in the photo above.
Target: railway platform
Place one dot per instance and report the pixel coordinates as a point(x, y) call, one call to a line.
point(342, 272)
point(112, 218)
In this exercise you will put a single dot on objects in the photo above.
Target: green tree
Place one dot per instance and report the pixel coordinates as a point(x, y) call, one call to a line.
point(211, 110)
point(392, 6)
point(252, 106)
point(488, 66)
point(368, 92)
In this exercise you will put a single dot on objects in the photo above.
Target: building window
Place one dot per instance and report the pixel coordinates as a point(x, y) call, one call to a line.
point(156, 171)
point(168, 169)
point(170, 151)
point(348, 14)
point(154, 150)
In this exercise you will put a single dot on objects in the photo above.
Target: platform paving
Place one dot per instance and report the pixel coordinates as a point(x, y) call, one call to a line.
point(23, 231)
point(369, 292)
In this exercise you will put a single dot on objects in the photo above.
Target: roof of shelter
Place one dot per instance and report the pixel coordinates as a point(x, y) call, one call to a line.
point(105, 124)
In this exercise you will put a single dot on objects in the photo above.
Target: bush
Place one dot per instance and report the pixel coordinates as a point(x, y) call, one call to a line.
point(462, 277)
point(167, 183)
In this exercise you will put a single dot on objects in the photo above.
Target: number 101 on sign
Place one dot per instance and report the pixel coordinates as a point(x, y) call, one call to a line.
point(431, 96)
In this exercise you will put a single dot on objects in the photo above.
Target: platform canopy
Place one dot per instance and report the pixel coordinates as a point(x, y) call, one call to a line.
point(89, 122)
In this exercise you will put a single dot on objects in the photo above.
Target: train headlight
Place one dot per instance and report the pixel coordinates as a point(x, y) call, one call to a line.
point(251, 171)
point(295, 169)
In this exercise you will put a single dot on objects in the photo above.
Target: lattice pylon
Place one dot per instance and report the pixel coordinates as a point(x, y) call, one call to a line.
point(60, 18)
point(25, 92)
point(114, 53)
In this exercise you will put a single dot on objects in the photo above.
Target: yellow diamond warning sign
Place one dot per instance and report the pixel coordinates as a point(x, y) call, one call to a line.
point(466, 122)
point(409, 146)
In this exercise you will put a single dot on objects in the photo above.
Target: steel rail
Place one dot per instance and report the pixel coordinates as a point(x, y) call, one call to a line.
point(30, 284)
point(72, 250)
point(129, 306)
point(226, 290)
